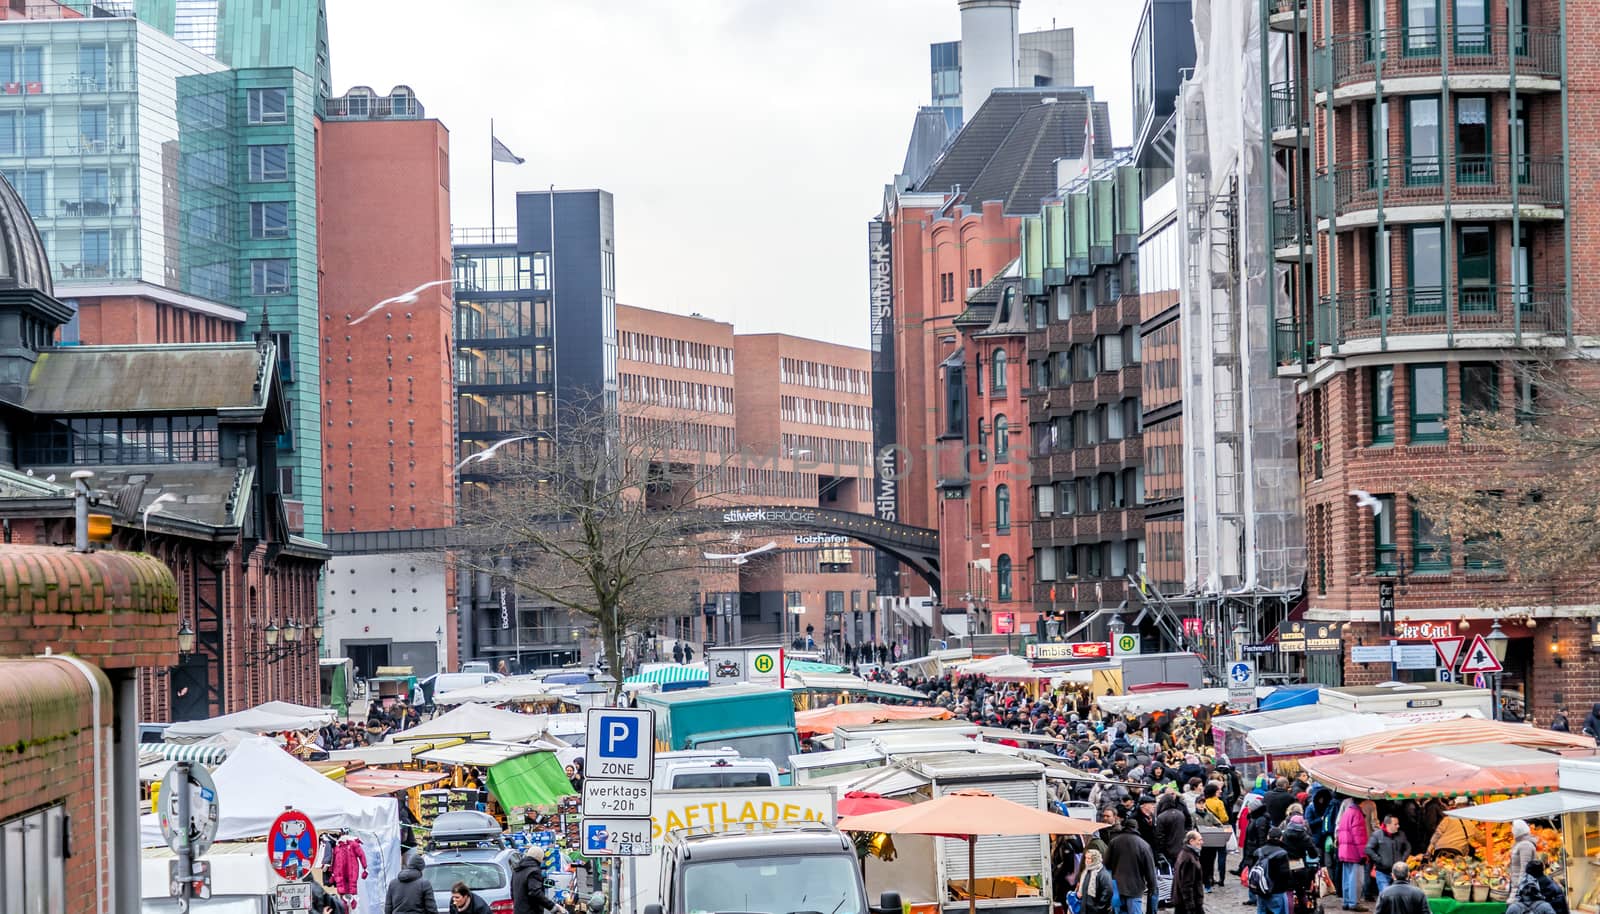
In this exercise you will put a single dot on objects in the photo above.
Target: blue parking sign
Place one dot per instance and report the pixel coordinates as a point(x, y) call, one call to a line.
point(620, 744)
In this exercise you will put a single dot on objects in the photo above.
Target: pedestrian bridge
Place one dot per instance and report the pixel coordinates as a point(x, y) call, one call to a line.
point(916, 547)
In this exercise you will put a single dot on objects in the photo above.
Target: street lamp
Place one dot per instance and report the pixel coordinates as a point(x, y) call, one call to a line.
point(185, 637)
point(272, 633)
point(1240, 633)
point(291, 631)
point(1116, 626)
point(1498, 642)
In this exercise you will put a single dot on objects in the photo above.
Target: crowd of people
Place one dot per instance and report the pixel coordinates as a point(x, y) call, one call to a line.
point(1181, 821)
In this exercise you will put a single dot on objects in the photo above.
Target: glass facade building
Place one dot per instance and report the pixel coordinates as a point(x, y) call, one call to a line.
point(89, 138)
point(248, 231)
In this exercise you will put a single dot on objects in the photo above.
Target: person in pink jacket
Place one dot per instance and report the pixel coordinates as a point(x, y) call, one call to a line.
point(1351, 836)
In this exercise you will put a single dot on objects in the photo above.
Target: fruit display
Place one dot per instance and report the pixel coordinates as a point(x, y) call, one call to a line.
point(1483, 875)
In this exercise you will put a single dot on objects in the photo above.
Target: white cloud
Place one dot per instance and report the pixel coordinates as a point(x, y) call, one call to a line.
point(746, 141)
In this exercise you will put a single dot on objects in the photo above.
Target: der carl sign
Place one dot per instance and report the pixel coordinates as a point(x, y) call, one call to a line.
point(620, 744)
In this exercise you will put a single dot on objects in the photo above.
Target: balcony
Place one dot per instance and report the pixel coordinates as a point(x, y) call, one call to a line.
point(1288, 230)
point(1419, 52)
point(1113, 316)
point(1115, 455)
point(1288, 119)
point(1282, 14)
point(1370, 314)
point(1419, 184)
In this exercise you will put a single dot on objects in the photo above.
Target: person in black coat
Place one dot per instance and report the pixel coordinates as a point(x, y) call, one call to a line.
point(1401, 897)
point(1172, 823)
point(527, 886)
point(410, 892)
point(1277, 801)
point(1189, 878)
point(1591, 724)
point(1133, 866)
point(463, 901)
point(1549, 889)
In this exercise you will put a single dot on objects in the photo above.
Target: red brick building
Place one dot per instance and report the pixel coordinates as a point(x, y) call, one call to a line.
point(1451, 249)
point(952, 230)
point(785, 421)
point(69, 781)
point(389, 431)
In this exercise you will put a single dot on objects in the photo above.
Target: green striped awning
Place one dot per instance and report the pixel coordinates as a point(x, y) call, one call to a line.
point(670, 673)
point(178, 752)
point(811, 666)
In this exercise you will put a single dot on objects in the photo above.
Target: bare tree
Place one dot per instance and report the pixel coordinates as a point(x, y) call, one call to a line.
point(1528, 495)
point(606, 518)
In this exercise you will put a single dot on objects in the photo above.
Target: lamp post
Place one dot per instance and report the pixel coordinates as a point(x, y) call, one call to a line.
point(1240, 633)
point(185, 637)
point(1498, 641)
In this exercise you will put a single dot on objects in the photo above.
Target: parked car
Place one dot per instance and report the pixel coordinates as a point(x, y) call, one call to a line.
point(468, 846)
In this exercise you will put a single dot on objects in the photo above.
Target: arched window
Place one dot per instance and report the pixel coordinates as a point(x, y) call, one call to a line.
point(1002, 437)
point(998, 363)
point(1002, 508)
point(983, 440)
point(1002, 578)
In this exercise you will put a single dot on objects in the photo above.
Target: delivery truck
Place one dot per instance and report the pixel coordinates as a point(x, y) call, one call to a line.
point(715, 812)
point(754, 721)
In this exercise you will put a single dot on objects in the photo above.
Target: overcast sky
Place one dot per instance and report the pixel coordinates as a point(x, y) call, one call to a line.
point(746, 142)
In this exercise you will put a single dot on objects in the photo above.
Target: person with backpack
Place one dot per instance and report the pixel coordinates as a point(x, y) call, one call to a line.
point(1269, 876)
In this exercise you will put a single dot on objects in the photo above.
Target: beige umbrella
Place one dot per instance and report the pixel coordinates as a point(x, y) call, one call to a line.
point(954, 816)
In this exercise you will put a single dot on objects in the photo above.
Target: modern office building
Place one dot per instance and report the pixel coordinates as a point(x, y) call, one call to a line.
point(1431, 231)
point(388, 412)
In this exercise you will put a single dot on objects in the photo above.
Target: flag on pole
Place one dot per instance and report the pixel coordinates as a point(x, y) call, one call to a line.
point(1088, 144)
point(500, 153)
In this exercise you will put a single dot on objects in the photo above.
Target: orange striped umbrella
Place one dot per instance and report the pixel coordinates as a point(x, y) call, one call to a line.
point(1465, 730)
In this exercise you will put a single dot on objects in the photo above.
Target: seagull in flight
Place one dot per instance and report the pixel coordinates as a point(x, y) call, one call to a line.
point(408, 298)
point(162, 499)
point(739, 558)
point(488, 452)
point(1364, 499)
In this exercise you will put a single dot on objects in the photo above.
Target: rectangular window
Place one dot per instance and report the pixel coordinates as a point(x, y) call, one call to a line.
point(30, 186)
point(281, 340)
point(269, 163)
point(1421, 27)
point(269, 220)
point(92, 132)
point(1430, 549)
point(33, 874)
point(1475, 269)
point(1422, 140)
point(1046, 500)
point(33, 133)
point(1471, 22)
point(1047, 564)
point(1386, 554)
point(1480, 387)
point(1427, 404)
point(286, 481)
point(96, 251)
point(1472, 140)
point(269, 276)
point(1483, 552)
point(1527, 400)
point(1425, 261)
point(1382, 380)
point(1379, 250)
point(268, 106)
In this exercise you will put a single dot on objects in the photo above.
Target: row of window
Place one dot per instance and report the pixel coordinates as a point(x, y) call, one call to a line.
point(1420, 23)
point(508, 412)
point(120, 440)
point(502, 319)
point(688, 436)
point(742, 480)
point(1090, 495)
point(1426, 270)
point(1002, 579)
point(825, 412)
point(1084, 294)
point(828, 560)
point(824, 376)
point(502, 272)
point(1082, 361)
point(503, 366)
point(675, 353)
point(1088, 427)
point(1430, 546)
point(1428, 398)
point(706, 398)
point(1111, 560)
point(822, 450)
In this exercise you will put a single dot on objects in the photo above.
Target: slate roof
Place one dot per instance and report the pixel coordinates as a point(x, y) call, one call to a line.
point(1008, 151)
point(203, 377)
point(932, 129)
point(207, 494)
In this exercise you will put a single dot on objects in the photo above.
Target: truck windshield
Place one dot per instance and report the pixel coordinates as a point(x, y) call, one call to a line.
point(775, 746)
point(824, 884)
point(707, 780)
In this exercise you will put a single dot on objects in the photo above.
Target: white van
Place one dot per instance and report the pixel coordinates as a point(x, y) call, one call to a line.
point(712, 769)
point(444, 683)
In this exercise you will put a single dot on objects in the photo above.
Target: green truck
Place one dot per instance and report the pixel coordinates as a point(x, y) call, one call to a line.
point(755, 721)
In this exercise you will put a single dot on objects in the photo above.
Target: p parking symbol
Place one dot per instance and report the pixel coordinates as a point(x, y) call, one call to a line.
point(619, 737)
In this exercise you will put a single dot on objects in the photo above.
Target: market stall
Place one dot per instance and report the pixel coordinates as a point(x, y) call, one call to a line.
point(1574, 810)
point(476, 720)
point(824, 720)
point(1466, 730)
point(271, 717)
point(1470, 770)
point(1168, 700)
point(935, 663)
point(670, 676)
point(822, 690)
point(521, 693)
point(248, 811)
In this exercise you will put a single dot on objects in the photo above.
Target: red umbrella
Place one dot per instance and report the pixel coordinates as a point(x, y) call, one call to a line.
point(861, 802)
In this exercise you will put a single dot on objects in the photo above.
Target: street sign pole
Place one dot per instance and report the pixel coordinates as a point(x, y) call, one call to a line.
point(184, 847)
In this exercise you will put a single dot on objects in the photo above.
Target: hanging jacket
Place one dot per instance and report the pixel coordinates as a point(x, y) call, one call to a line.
point(349, 866)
